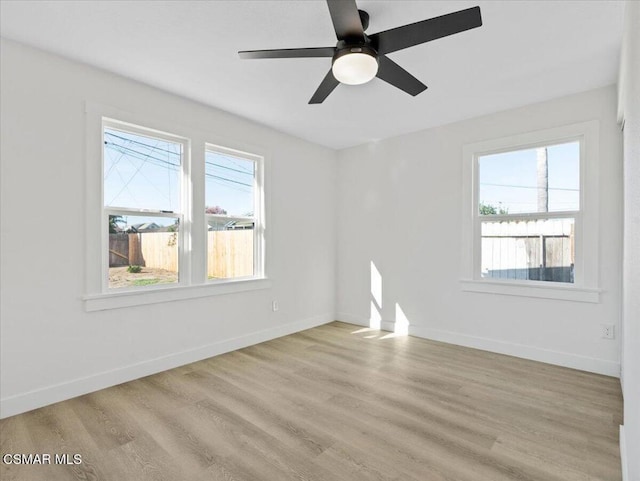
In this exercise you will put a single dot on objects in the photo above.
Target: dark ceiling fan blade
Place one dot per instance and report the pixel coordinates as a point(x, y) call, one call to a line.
point(289, 53)
point(426, 30)
point(326, 87)
point(346, 19)
point(392, 73)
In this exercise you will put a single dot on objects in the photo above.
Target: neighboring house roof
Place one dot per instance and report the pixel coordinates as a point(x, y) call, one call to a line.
point(225, 224)
point(144, 227)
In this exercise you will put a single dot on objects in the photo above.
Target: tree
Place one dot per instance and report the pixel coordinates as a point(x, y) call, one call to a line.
point(114, 220)
point(215, 210)
point(174, 227)
point(488, 209)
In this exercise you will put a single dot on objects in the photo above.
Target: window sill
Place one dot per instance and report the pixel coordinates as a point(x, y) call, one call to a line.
point(117, 300)
point(533, 289)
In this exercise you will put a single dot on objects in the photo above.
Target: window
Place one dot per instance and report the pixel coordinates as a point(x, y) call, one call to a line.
point(170, 214)
point(532, 228)
point(528, 205)
point(231, 209)
point(143, 209)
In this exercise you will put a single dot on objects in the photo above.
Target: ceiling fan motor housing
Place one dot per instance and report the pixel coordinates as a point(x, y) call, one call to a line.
point(345, 49)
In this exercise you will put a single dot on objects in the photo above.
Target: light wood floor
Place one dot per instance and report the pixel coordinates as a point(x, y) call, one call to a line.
point(334, 403)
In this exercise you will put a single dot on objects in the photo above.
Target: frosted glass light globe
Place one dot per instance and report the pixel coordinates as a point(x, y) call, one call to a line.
point(355, 68)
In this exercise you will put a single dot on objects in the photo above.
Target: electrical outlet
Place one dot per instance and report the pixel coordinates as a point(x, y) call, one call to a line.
point(608, 331)
point(274, 306)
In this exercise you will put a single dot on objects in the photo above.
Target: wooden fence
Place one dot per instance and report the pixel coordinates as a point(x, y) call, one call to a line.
point(229, 252)
point(534, 250)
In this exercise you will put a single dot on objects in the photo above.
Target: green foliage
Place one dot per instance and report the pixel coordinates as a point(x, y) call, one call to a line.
point(145, 282)
point(114, 220)
point(134, 269)
point(488, 209)
point(174, 227)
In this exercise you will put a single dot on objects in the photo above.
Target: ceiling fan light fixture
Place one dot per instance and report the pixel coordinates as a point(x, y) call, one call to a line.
point(355, 67)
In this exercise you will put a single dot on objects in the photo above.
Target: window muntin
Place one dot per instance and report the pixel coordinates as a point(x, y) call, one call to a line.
point(232, 210)
point(527, 209)
point(143, 202)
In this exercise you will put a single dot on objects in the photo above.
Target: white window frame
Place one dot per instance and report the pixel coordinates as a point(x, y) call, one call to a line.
point(183, 215)
point(585, 285)
point(193, 282)
point(258, 210)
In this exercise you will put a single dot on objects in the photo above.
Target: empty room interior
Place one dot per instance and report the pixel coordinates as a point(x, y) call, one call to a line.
point(320, 240)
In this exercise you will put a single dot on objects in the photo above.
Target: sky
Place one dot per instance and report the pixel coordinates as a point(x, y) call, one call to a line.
point(509, 180)
point(142, 172)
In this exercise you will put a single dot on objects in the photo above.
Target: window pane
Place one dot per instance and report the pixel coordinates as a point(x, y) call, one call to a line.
point(229, 184)
point(141, 172)
point(229, 248)
point(545, 179)
point(143, 251)
point(538, 250)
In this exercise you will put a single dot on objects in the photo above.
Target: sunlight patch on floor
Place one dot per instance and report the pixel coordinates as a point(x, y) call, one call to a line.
point(363, 330)
point(392, 335)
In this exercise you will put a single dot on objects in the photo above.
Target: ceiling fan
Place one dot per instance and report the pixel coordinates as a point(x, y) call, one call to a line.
point(357, 57)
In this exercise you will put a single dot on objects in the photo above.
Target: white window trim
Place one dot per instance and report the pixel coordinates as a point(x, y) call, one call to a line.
point(585, 288)
point(193, 280)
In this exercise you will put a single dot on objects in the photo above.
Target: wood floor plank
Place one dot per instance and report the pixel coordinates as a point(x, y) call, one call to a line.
point(337, 402)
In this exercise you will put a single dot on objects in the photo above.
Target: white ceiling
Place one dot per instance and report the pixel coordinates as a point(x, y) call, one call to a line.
point(526, 51)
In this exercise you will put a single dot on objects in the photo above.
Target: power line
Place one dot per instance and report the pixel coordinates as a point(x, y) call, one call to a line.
point(142, 143)
point(530, 187)
point(141, 153)
point(228, 180)
point(147, 157)
point(245, 172)
point(232, 160)
point(125, 186)
point(229, 168)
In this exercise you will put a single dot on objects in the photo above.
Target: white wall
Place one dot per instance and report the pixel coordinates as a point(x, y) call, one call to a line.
point(387, 192)
point(51, 348)
point(629, 110)
point(391, 191)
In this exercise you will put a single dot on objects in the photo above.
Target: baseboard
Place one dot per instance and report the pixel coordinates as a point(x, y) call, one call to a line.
point(623, 455)
point(20, 403)
point(574, 361)
point(358, 321)
point(387, 326)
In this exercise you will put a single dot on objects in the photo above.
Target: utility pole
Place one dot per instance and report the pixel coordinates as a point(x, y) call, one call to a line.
point(543, 180)
point(543, 203)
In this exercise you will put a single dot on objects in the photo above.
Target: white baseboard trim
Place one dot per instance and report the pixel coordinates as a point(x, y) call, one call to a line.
point(574, 361)
point(12, 405)
point(387, 326)
point(358, 321)
point(623, 455)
